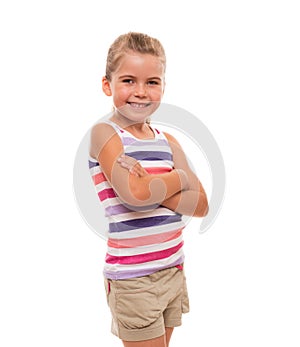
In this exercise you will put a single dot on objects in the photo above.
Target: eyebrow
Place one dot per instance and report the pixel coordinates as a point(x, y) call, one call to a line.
point(126, 76)
point(154, 78)
point(131, 76)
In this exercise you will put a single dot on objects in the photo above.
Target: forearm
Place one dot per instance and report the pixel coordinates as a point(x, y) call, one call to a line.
point(188, 203)
point(152, 189)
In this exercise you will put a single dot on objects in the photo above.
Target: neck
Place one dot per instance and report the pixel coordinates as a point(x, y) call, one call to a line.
point(125, 122)
point(140, 130)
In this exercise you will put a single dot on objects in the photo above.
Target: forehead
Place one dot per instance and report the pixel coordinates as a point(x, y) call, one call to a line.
point(140, 64)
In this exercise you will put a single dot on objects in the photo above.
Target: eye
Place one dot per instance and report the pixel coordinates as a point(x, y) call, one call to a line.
point(128, 80)
point(153, 82)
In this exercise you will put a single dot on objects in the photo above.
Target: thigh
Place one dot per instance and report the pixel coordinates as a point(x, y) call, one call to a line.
point(157, 342)
point(169, 332)
point(162, 341)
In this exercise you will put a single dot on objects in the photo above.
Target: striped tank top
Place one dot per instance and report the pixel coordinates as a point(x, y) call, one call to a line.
point(144, 240)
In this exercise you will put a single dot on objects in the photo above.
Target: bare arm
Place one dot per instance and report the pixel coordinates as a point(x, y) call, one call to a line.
point(190, 202)
point(106, 147)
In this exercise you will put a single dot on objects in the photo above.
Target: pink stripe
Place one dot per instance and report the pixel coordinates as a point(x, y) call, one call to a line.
point(145, 240)
point(99, 178)
point(106, 193)
point(143, 258)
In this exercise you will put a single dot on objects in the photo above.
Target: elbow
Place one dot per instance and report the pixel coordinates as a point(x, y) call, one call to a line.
point(135, 200)
point(143, 192)
point(202, 206)
point(140, 192)
point(131, 199)
point(205, 212)
point(201, 212)
point(136, 196)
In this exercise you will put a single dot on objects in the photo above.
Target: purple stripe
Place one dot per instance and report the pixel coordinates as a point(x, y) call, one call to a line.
point(93, 164)
point(120, 275)
point(131, 141)
point(128, 140)
point(119, 209)
point(151, 155)
point(143, 223)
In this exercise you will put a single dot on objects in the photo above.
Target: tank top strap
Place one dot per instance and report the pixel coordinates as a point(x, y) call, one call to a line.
point(159, 135)
point(117, 128)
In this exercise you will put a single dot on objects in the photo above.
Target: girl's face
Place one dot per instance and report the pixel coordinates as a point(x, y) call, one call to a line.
point(136, 86)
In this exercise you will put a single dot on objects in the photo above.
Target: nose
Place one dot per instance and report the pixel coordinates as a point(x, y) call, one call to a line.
point(140, 90)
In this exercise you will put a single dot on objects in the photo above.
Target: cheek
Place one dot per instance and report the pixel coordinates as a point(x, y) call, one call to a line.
point(156, 94)
point(121, 94)
point(124, 91)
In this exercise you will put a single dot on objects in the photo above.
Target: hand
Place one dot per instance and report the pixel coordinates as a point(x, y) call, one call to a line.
point(184, 179)
point(132, 165)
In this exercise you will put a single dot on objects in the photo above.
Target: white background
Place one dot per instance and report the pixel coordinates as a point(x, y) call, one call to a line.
point(235, 64)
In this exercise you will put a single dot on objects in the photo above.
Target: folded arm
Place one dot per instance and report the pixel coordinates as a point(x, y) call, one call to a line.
point(191, 201)
point(106, 147)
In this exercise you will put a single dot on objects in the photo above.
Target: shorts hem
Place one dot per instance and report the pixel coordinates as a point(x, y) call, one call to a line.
point(173, 323)
point(140, 334)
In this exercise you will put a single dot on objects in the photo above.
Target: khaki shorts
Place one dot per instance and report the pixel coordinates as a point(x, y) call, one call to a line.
point(142, 307)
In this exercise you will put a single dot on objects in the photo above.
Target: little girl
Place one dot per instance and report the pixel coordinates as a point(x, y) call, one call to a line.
point(143, 179)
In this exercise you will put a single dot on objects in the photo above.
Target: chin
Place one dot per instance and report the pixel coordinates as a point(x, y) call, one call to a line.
point(138, 114)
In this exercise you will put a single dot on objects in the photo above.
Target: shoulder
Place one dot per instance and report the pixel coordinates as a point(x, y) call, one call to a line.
point(102, 129)
point(171, 139)
point(103, 134)
point(179, 157)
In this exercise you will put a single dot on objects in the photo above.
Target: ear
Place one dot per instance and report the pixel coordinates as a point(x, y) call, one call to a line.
point(106, 86)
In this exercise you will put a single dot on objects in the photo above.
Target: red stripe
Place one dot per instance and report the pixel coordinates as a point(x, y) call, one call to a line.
point(143, 258)
point(106, 193)
point(180, 267)
point(99, 178)
point(157, 170)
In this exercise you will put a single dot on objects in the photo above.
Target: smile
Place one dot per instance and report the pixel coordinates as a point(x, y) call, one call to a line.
point(138, 105)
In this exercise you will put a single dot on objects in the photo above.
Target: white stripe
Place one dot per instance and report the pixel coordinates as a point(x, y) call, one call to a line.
point(101, 186)
point(144, 249)
point(111, 202)
point(92, 159)
point(153, 148)
point(95, 170)
point(157, 163)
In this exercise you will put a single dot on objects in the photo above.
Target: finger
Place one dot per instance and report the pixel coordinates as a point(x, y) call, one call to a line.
point(133, 172)
point(127, 159)
point(126, 165)
point(139, 169)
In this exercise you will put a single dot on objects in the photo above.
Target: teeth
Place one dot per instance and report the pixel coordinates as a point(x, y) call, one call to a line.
point(137, 105)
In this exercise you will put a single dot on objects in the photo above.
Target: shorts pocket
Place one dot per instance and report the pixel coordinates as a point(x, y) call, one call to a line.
point(185, 305)
point(136, 303)
point(107, 286)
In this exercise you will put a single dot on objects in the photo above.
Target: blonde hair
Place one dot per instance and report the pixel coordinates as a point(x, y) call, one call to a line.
point(136, 42)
